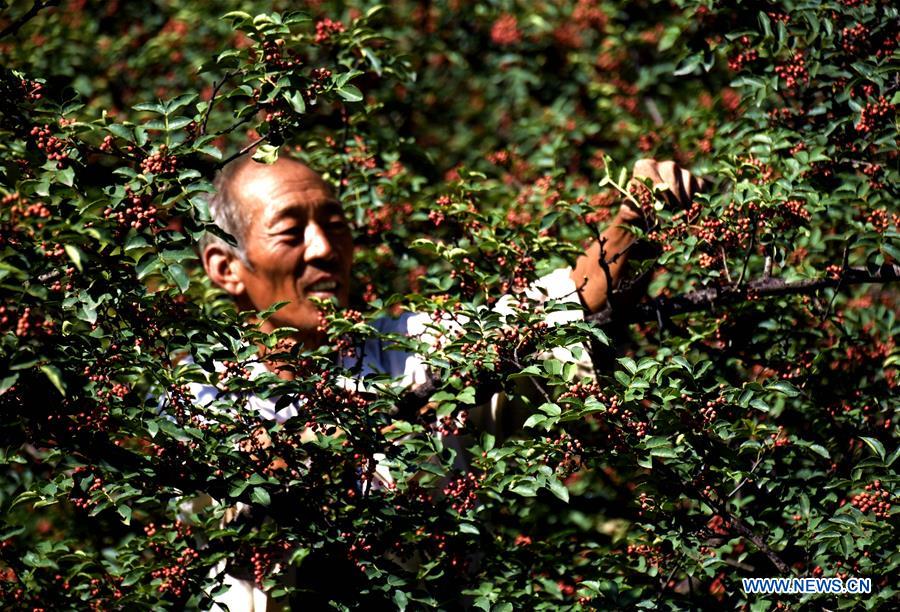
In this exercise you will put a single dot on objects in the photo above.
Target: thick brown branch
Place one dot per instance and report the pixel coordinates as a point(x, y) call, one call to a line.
point(712, 297)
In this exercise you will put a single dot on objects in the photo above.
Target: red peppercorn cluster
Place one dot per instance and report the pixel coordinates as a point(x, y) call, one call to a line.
point(522, 540)
point(232, 370)
point(464, 274)
point(569, 452)
point(108, 144)
point(758, 171)
point(800, 146)
point(452, 424)
point(320, 77)
point(718, 525)
point(141, 213)
point(326, 28)
point(881, 220)
point(743, 57)
point(875, 115)
point(780, 438)
point(273, 56)
point(499, 158)
point(266, 560)
point(80, 500)
point(587, 14)
point(53, 147)
point(505, 30)
point(793, 71)
point(582, 391)
point(462, 491)
point(710, 412)
point(653, 554)
point(32, 325)
point(520, 276)
point(875, 499)
point(53, 251)
point(383, 219)
point(160, 162)
point(796, 209)
point(644, 197)
point(175, 577)
point(854, 39)
point(356, 551)
point(647, 504)
point(437, 216)
point(875, 172)
point(33, 90)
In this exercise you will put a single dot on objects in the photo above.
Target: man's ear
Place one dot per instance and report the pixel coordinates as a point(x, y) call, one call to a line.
point(223, 267)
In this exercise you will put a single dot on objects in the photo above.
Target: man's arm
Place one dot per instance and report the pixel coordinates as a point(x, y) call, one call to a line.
point(589, 275)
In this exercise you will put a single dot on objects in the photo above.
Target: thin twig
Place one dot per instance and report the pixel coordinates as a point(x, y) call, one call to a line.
point(212, 100)
point(749, 249)
point(242, 152)
point(844, 260)
point(17, 24)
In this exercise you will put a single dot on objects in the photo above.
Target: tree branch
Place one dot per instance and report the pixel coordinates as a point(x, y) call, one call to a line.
point(705, 299)
point(662, 308)
point(17, 24)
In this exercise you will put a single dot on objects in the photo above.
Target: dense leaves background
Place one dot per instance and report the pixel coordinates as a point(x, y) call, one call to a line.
point(475, 146)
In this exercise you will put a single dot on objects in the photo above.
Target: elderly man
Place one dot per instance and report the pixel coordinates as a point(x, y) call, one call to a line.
point(295, 244)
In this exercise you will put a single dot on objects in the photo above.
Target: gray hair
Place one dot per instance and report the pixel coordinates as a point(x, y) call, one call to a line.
point(227, 214)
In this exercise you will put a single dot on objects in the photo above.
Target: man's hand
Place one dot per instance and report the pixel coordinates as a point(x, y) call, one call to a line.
point(594, 278)
point(678, 187)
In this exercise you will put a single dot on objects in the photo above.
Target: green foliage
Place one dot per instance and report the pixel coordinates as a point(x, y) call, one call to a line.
point(751, 439)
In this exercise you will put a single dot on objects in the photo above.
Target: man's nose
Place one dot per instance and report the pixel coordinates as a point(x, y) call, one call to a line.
point(318, 244)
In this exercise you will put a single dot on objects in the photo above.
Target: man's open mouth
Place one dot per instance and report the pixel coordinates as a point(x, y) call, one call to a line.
point(322, 286)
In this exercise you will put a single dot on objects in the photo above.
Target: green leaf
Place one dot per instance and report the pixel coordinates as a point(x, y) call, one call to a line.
point(120, 131)
point(534, 419)
point(261, 496)
point(820, 450)
point(296, 101)
point(8, 381)
point(526, 488)
point(55, 376)
point(75, 255)
point(125, 512)
point(876, 446)
point(843, 519)
point(785, 388)
point(237, 16)
point(66, 176)
point(266, 153)
point(559, 489)
point(180, 276)
point(150, 107)
point(210, 150)
point(238, 488)
point(552, 410)
point(401, 600)
point(350, 93)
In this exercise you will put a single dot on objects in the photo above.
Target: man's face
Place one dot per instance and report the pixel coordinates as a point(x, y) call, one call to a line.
point(297, 241)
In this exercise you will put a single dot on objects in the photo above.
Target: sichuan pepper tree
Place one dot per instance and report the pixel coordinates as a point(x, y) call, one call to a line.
point(743, 417)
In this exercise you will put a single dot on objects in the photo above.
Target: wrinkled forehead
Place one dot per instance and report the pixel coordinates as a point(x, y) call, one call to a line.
point(265, 192)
